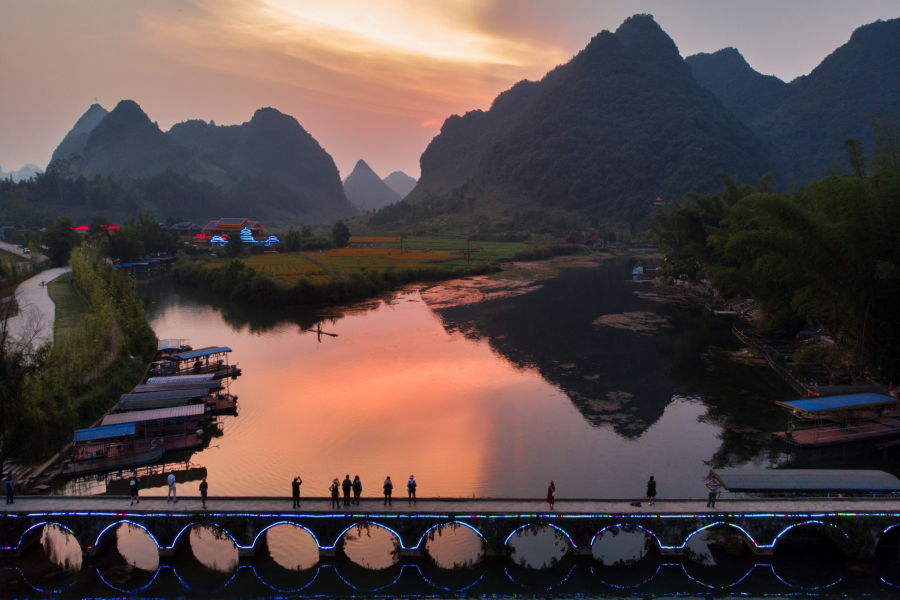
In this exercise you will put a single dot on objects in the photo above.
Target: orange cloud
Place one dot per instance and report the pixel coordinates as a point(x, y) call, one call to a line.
point(432, 122)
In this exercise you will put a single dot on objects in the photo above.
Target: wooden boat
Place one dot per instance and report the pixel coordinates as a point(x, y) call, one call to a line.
point(212, 360)
point(841, 419)
point(110, 448)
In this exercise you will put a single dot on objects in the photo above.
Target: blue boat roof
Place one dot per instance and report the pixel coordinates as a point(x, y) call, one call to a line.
point(824, 403)
point(201, 353)
point(104, 432)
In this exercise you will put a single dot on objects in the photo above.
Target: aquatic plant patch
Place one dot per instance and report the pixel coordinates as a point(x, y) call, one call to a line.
point(645, 323)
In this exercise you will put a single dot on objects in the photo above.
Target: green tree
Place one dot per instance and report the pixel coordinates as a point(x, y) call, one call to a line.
point(306, 231)
point(235, 245)
point(340, 235)
point(60, 239)
point(292, 240)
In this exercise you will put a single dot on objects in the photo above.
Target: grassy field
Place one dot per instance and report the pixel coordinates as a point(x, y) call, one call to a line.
point(377, 254)
point(69, 305)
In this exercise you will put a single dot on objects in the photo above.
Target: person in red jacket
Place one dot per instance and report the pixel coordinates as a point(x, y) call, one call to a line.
point(551, 494)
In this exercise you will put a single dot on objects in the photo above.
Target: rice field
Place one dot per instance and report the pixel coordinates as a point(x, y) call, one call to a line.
point(286, 268)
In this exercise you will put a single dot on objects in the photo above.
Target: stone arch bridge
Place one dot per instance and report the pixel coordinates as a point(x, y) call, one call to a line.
point(857, 525)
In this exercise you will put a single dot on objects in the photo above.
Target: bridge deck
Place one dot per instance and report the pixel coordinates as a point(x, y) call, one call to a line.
point(250, 505)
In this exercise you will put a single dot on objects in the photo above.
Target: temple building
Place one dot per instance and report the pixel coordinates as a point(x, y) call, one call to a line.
point(223, 227)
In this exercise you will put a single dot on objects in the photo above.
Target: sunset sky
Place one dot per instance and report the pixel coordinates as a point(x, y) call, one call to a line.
point(368, 79)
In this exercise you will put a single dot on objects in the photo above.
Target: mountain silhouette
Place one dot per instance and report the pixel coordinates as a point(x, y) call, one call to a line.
point(807, 120)
point(622, 123)
point(400, 182)
point(366, 190)
point(77, 138)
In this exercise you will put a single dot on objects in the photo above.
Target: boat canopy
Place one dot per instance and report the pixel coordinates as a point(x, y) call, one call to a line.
point(175, 412)
point(104, 432)
point(181, 378)
point(202, 353)
point(841, 402)
point(149, 404)
point(807, 480)
point(189, 386)
point(170, 344)
point(164, 395)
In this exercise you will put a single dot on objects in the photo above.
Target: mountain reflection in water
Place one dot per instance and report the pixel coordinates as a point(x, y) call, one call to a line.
point(586, 378)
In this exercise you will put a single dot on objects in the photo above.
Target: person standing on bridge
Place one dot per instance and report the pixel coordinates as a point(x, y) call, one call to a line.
point(651, 491)
point(357, 489)
point(135, 486)
point(411, 489)
point(346, 486)
point(713, 485)
point(204, 488)
point(335, 493)
point(551, 494)
point(10, 497)
point(388, 488)
point(171, 482)
point(295, 490)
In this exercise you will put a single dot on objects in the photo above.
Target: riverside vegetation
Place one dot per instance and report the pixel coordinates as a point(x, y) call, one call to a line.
point(825, 255)
point(50, 391)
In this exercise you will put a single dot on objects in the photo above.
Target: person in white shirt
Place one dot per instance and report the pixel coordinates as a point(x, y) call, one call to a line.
point(171, 495)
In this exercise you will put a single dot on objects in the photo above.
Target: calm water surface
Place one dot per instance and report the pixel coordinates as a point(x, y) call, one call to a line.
point(485, 399)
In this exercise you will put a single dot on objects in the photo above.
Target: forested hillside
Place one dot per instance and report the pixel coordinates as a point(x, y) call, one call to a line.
point(77, 138)
point(807, 120)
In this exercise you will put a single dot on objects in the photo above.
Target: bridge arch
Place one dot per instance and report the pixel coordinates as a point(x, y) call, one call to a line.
point(433, 527)
point(717, 524)
point(38, 527)
point(187, 528)
point(359, 525)
point(823, 524)
point(293, 524)
point(556, 527)
point(620, 525)
point(129, 522)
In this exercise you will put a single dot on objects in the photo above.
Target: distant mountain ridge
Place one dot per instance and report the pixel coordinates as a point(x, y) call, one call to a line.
point(366, 190)
point(619, 125)
point(401, 183)
point(26, 172)
point(807, 120)
point(272, 148)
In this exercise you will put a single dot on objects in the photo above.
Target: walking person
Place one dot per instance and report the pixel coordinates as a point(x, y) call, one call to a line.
point(204, 488)
point(411, 488)
point(388, 488)
point(171, 494)
point(651, 491)
point(346, 486)
point(713, 485)
point(135, 486)
point(335, 493)
point(551, 494)
point(295, 490)
point(357, 489)
point(10, 494)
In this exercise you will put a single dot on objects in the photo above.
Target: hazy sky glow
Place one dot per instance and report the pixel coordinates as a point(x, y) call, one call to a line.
point(369, 79)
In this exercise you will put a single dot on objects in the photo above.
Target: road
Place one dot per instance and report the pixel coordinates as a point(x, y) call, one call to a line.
point(37, 313)
point(14, 249)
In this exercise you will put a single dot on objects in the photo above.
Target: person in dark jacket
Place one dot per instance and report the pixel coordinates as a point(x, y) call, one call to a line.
point(651, 491)
point(135, 486)
point(335, 489)
point(411, 489)
point(388, 488)
point(295, 490)
point(10, 484)
point(204, 488)
point(347, 485)
point(357, 489)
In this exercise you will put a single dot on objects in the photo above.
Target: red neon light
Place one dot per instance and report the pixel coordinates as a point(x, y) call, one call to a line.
point(85, 227)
